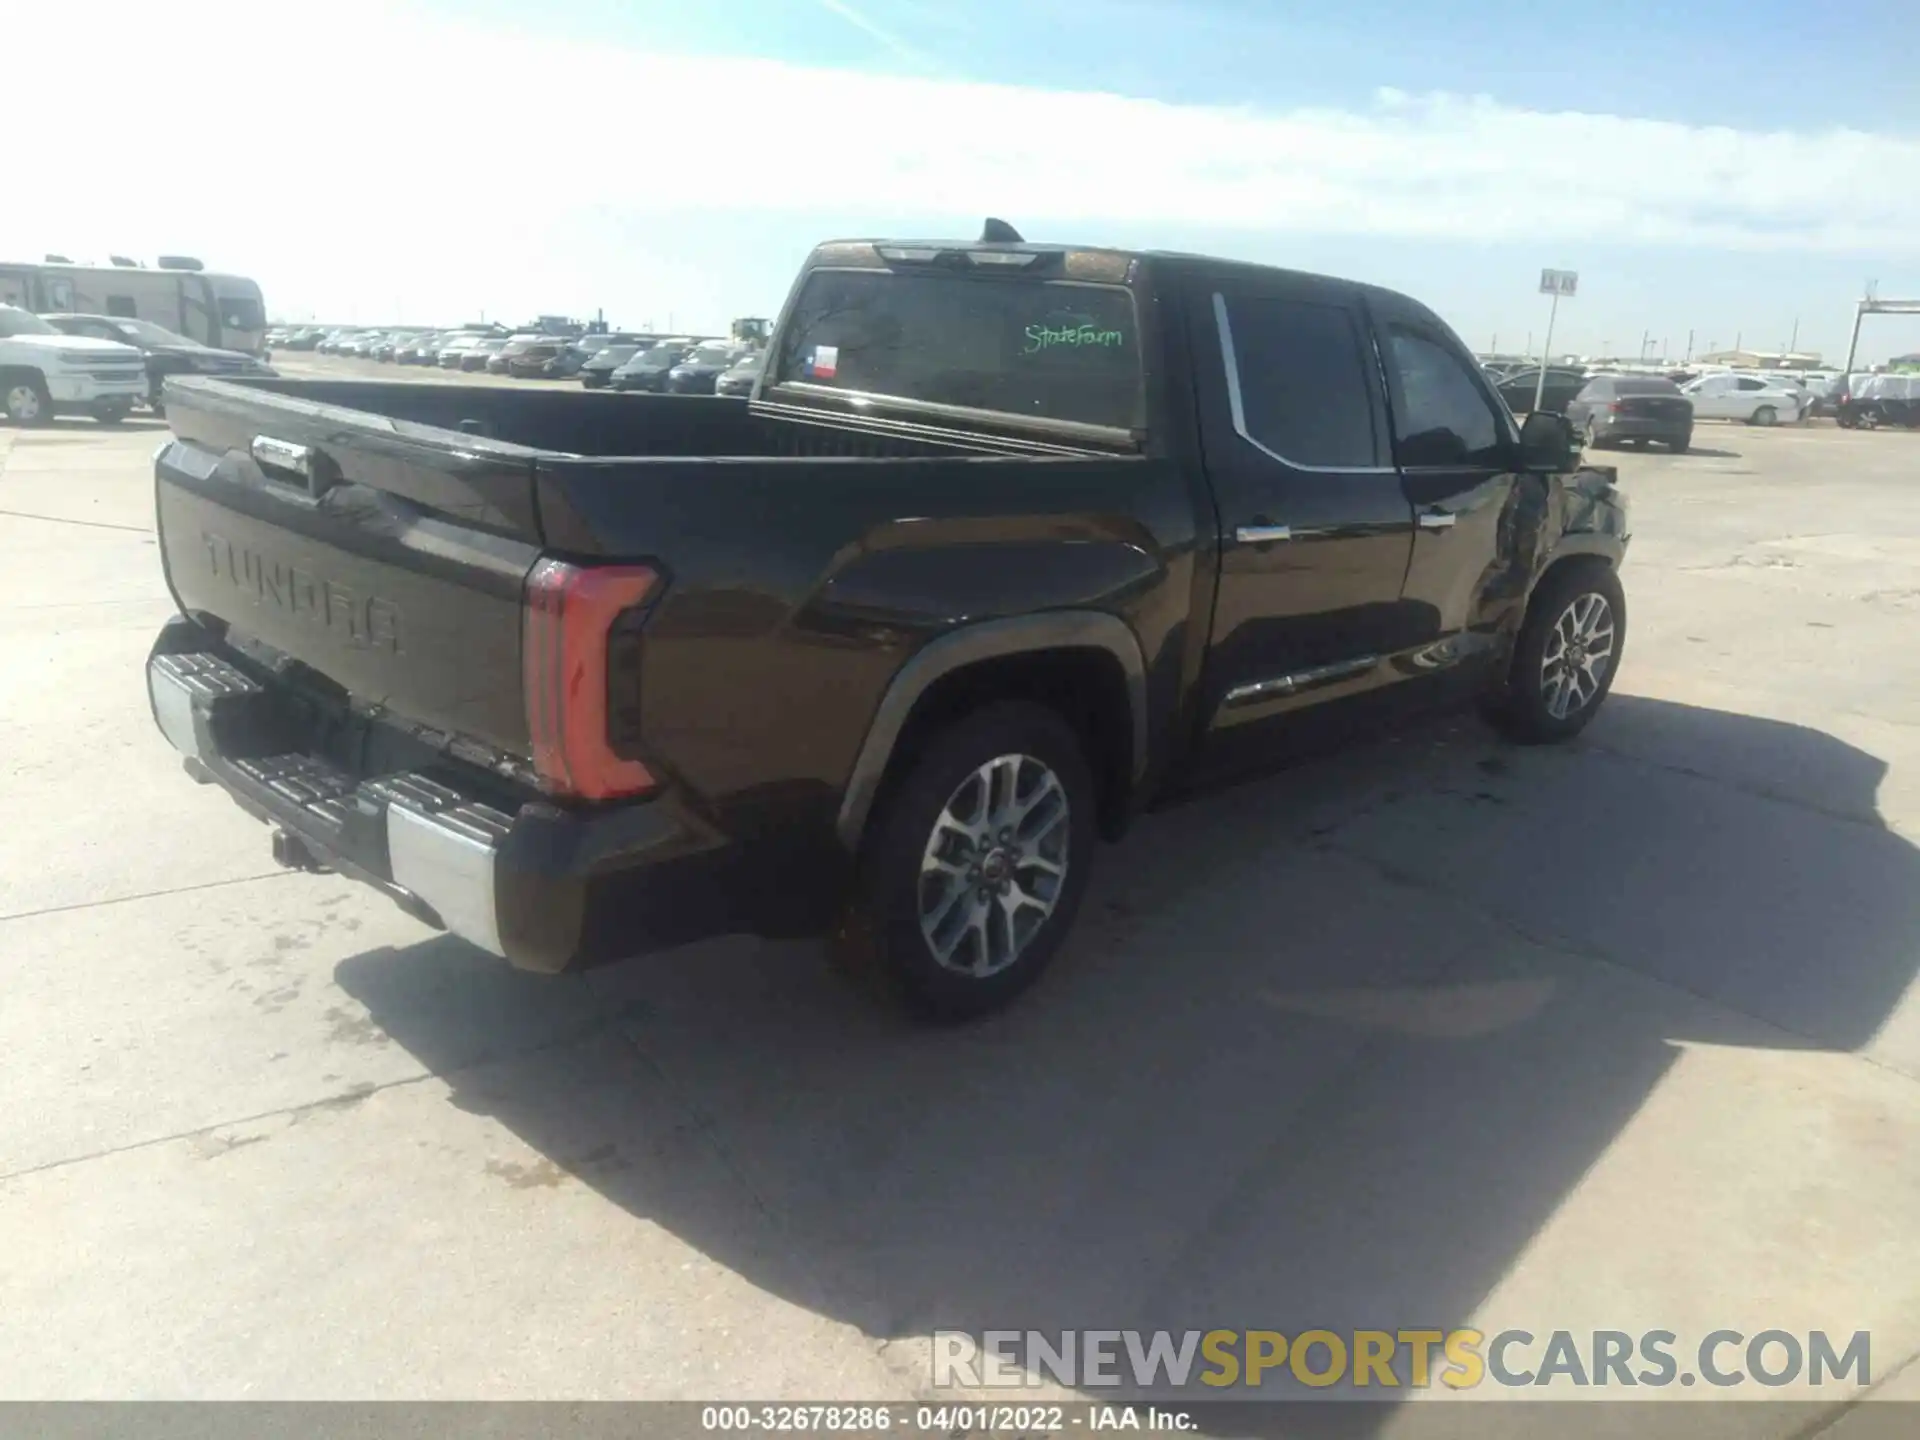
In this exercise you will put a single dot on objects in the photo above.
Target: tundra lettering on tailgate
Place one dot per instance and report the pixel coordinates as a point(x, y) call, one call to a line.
point(365, 622)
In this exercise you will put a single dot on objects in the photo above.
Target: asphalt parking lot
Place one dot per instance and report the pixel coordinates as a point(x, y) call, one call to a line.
point(1432, 1032)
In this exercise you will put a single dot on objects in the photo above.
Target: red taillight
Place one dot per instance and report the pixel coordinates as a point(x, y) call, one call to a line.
point(569, 612)
point(1616, 407)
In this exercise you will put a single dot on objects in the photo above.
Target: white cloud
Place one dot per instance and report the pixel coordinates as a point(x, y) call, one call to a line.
point(344, 122)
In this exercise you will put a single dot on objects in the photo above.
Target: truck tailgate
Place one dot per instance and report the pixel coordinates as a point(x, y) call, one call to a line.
point(389, 558)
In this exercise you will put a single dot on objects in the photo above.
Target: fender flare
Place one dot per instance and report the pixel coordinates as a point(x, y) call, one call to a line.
point(969, 645)
point(1596, 544)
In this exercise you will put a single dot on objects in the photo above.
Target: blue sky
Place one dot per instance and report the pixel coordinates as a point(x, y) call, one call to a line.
point(1752, 64)
point(1730, 169)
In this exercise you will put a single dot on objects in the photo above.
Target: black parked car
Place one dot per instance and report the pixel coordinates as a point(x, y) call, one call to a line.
point(738, 380)
point(649, 369)
point(1870, 401)
point(697, 372)
point(1563, 383)
point(166, 353)
point(1613, 408)
point(596, 371)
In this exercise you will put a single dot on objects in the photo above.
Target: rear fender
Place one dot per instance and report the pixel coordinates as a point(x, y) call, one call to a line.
point(970, 645)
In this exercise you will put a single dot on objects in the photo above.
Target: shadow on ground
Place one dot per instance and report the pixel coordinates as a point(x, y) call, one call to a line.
point(1701, 452)
point(1329, 1050)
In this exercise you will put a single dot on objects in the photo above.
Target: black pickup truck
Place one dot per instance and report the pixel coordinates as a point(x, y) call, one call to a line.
point(1010, 540)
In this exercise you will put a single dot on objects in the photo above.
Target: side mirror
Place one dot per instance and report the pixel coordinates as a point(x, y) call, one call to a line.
point(1546, 442)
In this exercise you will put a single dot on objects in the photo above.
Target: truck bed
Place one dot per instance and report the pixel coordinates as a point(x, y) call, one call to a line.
point(584, 423)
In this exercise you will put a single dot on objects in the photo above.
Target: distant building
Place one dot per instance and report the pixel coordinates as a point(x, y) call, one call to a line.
point(1764, 359)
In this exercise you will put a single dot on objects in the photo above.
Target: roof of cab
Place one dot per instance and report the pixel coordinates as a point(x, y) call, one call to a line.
point(1173, 259)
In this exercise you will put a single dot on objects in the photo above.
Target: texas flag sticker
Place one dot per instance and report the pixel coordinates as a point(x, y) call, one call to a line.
point(825, 363)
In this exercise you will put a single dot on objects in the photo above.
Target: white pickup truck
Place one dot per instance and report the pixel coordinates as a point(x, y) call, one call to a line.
point(44, 373)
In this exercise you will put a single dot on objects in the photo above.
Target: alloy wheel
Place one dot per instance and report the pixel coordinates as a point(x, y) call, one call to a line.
point(994, 866)
point(1579, 649)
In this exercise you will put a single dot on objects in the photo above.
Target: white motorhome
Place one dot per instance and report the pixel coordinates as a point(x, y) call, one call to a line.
point(178, 294)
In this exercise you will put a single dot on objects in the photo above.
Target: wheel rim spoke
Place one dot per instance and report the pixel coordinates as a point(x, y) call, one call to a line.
point(1578, 651)
point(994, 864)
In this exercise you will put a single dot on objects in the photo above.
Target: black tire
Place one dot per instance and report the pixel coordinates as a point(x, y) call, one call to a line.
point(1680, 444)
point(24, 399)
point(1766, 415)
point(880, 939)
point(113, 412)
point(1521, 709)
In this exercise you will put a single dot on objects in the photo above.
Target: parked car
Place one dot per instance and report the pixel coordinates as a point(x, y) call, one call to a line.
point(567, 363)
point(45, 372)
point(1841, 400)
point(449, 355)
point(1727, 396)
point(1563, 383)
point(531, 362)
point(957, 678)
point(1877, 400)
point(1824, 389)
point(165, 352)
point(739, 377)
point(597, 370)
point(648, 370)
point(481, 355)
point(701, 367)
point(418, 350)
point(1613, 408)
point(498, 362)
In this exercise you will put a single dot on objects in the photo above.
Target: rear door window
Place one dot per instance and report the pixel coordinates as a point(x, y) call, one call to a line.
point(1040, 350)
point(1297, 381)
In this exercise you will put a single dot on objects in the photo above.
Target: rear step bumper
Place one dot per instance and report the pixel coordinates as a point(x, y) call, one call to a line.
point(547, 889)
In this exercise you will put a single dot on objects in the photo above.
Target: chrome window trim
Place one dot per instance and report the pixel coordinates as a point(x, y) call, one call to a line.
point(1230, 358)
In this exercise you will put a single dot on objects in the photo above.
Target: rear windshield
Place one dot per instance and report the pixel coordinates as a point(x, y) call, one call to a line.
point(1051, 350)
point(1645, 387)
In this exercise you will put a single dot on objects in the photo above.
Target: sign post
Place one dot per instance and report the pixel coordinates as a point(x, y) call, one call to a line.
point(1555, 283)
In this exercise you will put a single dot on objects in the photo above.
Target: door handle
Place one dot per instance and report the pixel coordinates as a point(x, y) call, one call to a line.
point(1437, 519)
point(1262, 534)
